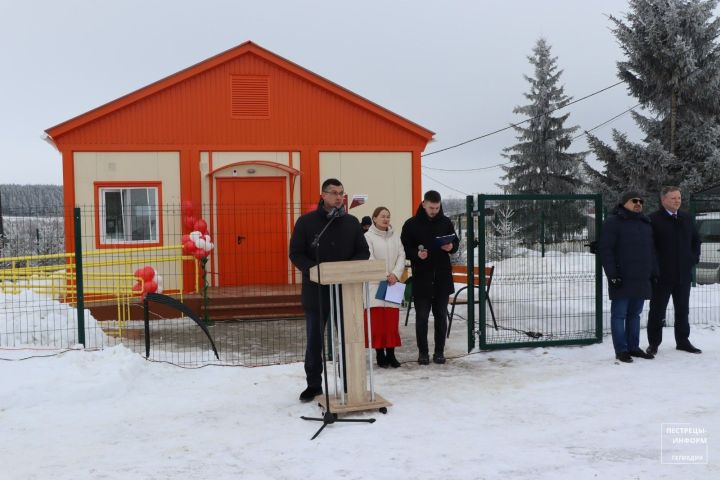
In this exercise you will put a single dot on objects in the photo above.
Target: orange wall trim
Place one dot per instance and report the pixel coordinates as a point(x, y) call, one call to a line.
point(69, 197)
point(127, 184)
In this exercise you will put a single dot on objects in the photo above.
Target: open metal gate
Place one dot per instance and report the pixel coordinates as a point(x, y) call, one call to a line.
point(545, 287)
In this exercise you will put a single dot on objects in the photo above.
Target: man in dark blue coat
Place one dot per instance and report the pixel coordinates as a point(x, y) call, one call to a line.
point(628, 258)
point(343, 240)
point(678, 248)
point(432, 281)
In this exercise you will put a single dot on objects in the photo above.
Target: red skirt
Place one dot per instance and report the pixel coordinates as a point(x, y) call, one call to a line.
point(384, 322)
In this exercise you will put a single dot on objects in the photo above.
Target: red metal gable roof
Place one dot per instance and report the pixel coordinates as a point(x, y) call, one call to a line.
point(218, 60)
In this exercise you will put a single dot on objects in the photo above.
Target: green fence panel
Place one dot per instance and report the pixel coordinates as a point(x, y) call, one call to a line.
point(546, 288)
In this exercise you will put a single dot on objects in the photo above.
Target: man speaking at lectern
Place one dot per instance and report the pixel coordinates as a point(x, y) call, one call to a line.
point(343, 240)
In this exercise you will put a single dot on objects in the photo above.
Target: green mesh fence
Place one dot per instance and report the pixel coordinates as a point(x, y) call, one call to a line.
point(545, 287)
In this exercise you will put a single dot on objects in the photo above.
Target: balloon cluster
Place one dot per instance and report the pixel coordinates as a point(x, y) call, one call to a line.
point(198, 242)
point(148, 281)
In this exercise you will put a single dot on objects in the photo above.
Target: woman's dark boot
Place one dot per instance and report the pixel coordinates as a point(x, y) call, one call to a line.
point(390, 356)
point(381, 358)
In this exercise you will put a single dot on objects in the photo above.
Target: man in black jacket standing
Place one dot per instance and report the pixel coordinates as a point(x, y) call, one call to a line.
point(678, 248)
point(432, 281)
point(628, 258)
point(343, 240)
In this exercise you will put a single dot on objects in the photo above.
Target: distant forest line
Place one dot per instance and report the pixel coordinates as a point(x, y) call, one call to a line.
point(31, 199)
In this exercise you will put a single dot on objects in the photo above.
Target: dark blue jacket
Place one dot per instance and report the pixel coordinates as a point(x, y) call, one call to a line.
point(677, 244)
point(432, 277)
point(627, 252)
point(343, 240)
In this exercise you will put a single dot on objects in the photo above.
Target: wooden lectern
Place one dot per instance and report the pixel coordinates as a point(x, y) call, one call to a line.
point(351, 275)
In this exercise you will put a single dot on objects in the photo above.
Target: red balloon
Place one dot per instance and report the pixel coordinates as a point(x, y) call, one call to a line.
point(185, 238)
point(189, 221)
point(148, 273)
point(199, 253)
point(138, 273)
point(189, 247)
point(149, 287)
point(137, 287)
point(200, 226)
point(187, 208)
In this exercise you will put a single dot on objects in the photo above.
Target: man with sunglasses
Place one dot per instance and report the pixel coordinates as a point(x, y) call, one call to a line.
point(343, 240)
point(678, 247)
point(628, 257)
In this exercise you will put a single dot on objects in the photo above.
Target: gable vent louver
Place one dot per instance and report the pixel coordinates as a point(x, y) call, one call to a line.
point(250, 97)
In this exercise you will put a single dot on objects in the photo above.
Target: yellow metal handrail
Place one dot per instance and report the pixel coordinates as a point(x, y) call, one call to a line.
point(59, 280)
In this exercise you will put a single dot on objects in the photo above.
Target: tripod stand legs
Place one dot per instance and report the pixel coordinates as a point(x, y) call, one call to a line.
point(329, 418)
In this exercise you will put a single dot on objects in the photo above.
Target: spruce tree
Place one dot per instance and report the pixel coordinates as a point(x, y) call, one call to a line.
point(540, 162)
point(672, 66)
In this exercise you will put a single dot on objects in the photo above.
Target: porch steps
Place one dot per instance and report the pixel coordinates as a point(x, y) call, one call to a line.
point(225, 304)
point(250, 302)
point(248, 310)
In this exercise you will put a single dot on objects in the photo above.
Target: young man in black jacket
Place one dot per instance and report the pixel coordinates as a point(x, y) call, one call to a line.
point(678, 248)
point(343, 240)
point(432, 281)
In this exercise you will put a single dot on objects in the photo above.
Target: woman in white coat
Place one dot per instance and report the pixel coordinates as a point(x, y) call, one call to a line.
point(384, 243)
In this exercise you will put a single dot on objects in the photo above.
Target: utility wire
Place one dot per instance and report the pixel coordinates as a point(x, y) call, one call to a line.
point(446, 186)
point(512, 125)
point(585, 132)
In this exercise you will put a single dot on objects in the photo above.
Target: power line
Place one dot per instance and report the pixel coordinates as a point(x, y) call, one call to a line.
point(585, 132)
point(524, 121)
point(446, 186)
point(464, 169)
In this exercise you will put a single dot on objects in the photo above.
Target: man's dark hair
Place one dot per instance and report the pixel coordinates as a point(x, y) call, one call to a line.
point(331, 182)
point(432, 196)
point(667, 189)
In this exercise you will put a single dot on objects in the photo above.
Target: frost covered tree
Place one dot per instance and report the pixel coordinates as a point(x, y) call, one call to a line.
point(672, 66)
point(540, 162)
point(500, 245)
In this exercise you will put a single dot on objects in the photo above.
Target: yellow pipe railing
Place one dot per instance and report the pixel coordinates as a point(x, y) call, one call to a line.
point(58, 280)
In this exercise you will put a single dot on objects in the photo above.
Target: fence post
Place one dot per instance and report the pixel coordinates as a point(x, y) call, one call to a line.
point(79, 277)
point(542, 233)
point(470, 251)
point(598, 271)
point(481, 267)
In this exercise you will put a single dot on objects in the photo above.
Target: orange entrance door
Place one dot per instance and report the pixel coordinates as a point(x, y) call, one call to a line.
point(252, 236)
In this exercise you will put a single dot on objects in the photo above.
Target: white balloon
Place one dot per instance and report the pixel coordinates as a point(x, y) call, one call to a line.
point(195, 236)
point(200, 244)
point(159, 284)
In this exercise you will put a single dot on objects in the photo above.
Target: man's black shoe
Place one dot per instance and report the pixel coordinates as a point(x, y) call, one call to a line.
point(624, 357)
point(310, 393)
point(640, 354)
point(423, 359)
point(688, 347)
point(652, 350)
point(439, 359)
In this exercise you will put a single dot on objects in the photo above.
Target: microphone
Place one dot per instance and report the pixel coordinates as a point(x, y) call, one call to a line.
point(336, 212)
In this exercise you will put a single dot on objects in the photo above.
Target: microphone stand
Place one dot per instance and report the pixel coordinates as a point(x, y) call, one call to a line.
point(328, 417)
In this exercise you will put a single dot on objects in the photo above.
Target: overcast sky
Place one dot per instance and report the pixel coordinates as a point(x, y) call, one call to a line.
point(455, 67)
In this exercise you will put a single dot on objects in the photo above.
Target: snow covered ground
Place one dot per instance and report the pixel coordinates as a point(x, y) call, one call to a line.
point(555, 413)
point(540, 413)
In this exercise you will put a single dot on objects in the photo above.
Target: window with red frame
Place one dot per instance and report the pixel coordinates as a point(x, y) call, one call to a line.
point(129, 215)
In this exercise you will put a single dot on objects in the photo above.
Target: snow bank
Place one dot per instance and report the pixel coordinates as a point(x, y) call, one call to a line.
point(32, 319)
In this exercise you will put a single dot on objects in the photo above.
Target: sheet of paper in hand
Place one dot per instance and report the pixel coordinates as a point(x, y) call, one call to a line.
point(444, 240)
point(391, 293)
